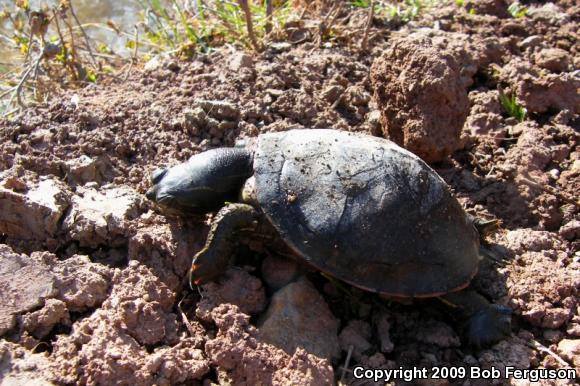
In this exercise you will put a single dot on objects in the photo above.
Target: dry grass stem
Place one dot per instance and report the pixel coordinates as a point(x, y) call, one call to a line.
point(249, 24)
point(540, 347)
point(368, 26)
point(87, 40)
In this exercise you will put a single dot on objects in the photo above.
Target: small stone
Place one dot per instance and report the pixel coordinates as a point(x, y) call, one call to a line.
point(553, 59)
point(552, 336)
point(280, 46)
point(570, 350)
point(560, 153)
point(83, 167)
point(356, 335)
point(531, 42)
point(172, 65)
point(376, 361)
point(278, 272)
point(88, 120)
point(298, 317)
point(374, 120)
point(153, 64)
point(332, 93)
point(356, 96)
point(573, 329)
point(15, 184)
point(570, 230)
point(240, 61)
point(383, 328)
point(438, 333)
point(548, 12)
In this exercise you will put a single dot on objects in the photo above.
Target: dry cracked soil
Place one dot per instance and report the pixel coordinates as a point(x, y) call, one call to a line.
point(93, 280)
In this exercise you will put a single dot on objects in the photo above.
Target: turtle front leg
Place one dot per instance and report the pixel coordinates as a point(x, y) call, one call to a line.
point(485, 323)
point(217, 253)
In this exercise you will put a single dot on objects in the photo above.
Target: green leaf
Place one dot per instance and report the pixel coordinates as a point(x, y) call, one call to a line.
point(360, 3)
point(91, 76)
point(517, 10)
point(512, 107)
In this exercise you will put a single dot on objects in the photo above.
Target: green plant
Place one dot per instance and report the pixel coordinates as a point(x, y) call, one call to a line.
point(51, 50)
point(178, 26)
point(517, 10)
point(262, 19)
point(512, 107)
point(360, 3)
point(407, 11)
point(169, 26)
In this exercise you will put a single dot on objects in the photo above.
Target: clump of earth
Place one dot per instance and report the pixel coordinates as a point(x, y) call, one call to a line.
point(94, 281)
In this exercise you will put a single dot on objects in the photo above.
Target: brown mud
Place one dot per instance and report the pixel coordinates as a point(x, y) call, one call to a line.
point(92, 280)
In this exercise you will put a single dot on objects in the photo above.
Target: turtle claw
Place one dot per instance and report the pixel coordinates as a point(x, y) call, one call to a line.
point(488, 326)
point(196, 279)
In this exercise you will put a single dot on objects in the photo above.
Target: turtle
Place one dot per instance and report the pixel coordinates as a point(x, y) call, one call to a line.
point(356, 207)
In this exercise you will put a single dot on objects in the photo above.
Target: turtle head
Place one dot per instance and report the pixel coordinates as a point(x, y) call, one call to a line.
point(203, 183)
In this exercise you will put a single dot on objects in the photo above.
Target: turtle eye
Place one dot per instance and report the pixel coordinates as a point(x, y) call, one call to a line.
point(158, 175)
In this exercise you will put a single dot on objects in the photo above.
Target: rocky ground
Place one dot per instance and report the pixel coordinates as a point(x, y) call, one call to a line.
point(92, 279)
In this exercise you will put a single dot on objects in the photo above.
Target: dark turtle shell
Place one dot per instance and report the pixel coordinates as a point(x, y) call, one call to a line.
point(365, 211)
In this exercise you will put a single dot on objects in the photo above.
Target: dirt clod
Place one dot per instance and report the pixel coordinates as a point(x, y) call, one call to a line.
point(511, 352)
point(108, 345)
point(236, 287)
point(82, 284)
point(20, 367)
point(570, 350)
point(87, 169)
point(553, 59)
point(422, 99)
point(39, 323)
point(101, 217)
point(241, 355)
point(25, 282)
point(487, 7)
point(544, 294)
point(35, 214)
